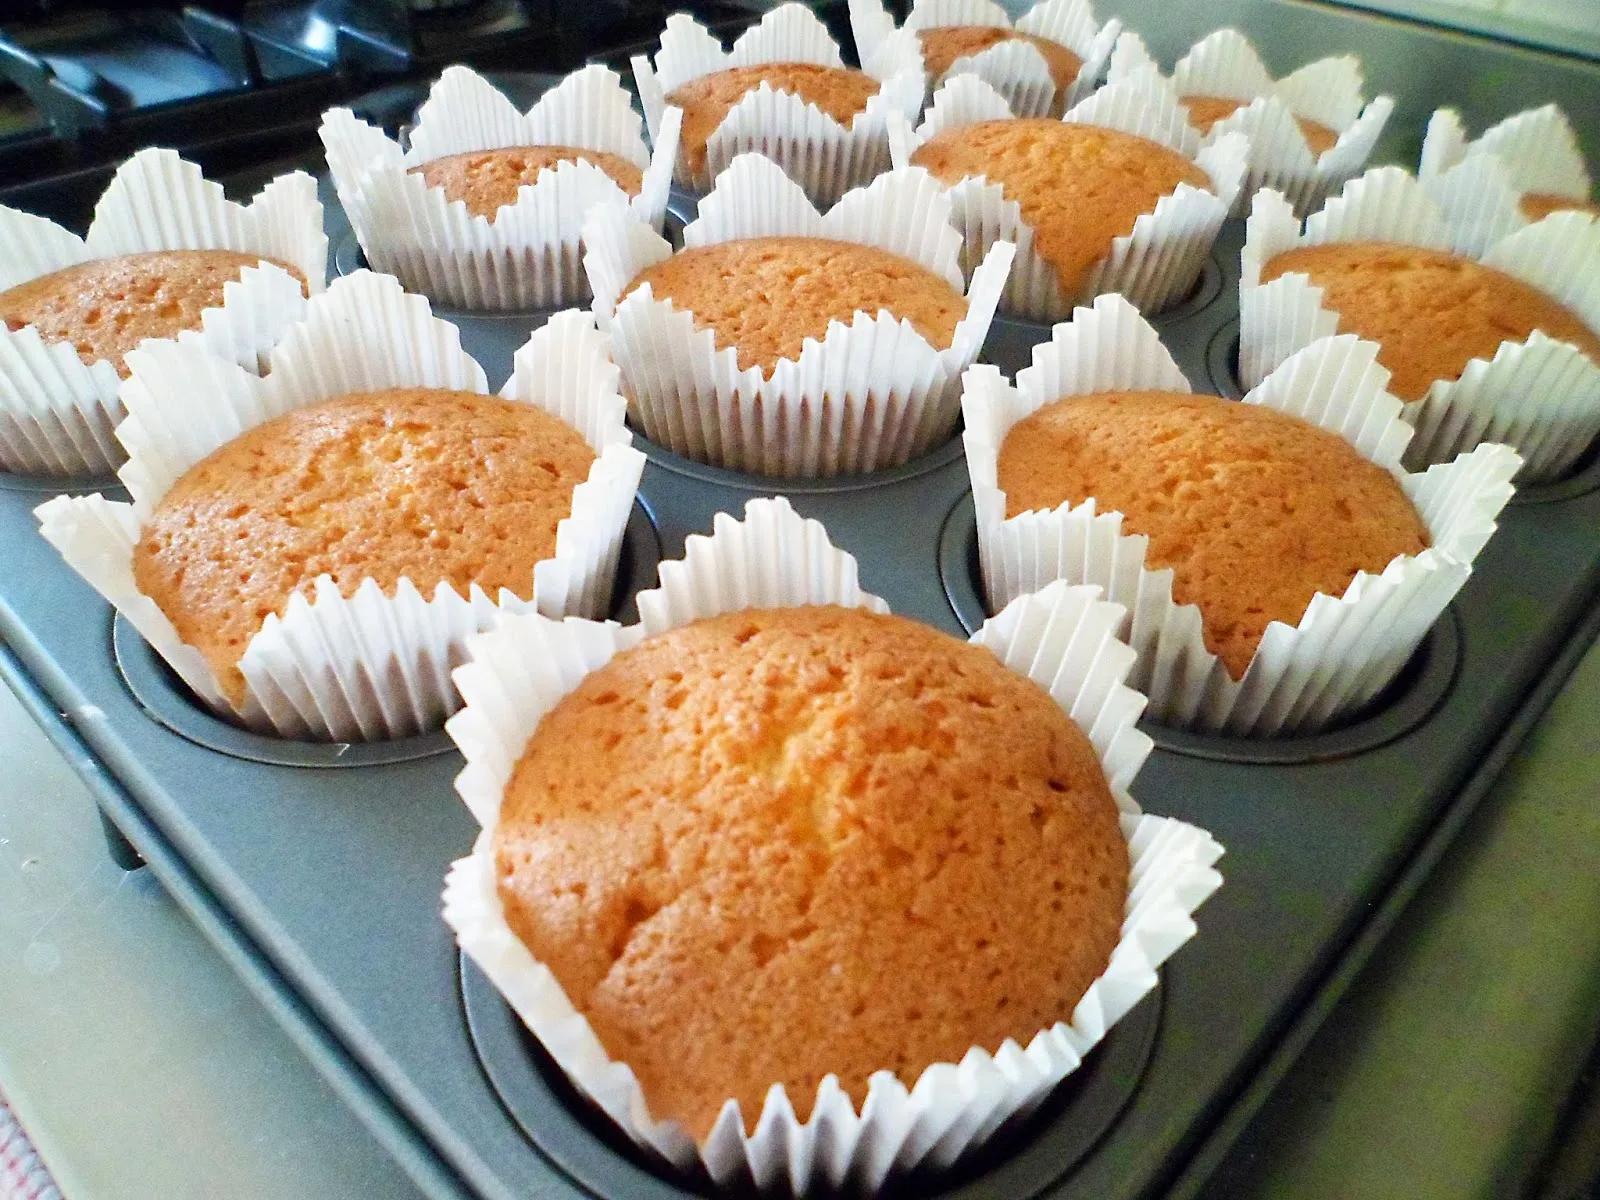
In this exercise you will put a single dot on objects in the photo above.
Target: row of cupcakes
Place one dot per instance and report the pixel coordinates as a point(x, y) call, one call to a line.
point(311, 550)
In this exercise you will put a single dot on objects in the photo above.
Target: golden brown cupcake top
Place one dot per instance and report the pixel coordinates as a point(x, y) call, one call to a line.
point(838, 91)
point(107, 306)
point(1080, 187)
point(1536, 206)
point(1255, 511)
point(781, 843)
point(941, 46)
point(424, 484)
point(1206, 111)
point(488, 180)
point(766, 296)
point(1431, 312)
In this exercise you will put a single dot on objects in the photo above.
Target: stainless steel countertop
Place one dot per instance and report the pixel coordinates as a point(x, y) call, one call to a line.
point(141, 1067)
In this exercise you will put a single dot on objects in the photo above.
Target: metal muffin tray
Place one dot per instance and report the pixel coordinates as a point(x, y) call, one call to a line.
point(317, 868)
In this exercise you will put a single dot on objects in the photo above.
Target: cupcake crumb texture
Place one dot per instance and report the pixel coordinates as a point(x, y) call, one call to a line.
point(1431, 312)
point(780, 843)
point(428, 485)
point(107, 306)
point(1536, 206)
point(766, 296)
point(487, 180)
point(1255, 511)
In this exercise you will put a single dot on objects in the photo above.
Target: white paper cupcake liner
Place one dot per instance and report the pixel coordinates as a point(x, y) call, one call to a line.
point(57, 413)
point(1537, 149)
point(1157, 263)
point(1062, 638)
point(824, 156)
point(1015, 69)
point(870, 394)
point(529, 255)
point(1346, 648)
point(1540, 395)
point(367, 665)
point(1327, 91)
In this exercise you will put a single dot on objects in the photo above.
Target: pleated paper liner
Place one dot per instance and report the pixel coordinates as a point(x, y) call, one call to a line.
point(372, 664)
point(1345, 648)
point(1014, 68)
point(1157, 263)
point(1540, 396)
point(528, 255)
point(871, 394)
point(1537, 150)
point(1062, 638)
point(57, 412)
point(824, 156)
point(1328, 91)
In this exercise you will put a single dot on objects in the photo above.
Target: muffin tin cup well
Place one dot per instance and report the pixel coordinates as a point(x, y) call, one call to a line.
point(1023, 1159)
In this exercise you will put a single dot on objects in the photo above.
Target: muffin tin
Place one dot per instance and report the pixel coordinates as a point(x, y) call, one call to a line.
point(317, 868)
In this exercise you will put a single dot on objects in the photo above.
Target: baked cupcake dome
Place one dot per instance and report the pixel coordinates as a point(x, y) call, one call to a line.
point(795, 801)
point(766, 297)
point(840, 92)
point(1080, 187)
point(166, 256)
point(1430, 311)
point(484, 207)
point(779, 343)
point(783, 90)
point(1119, 195)
point(370, 398)
point(1471, 356)
point(1541, 164)
point(1255, 511)
point(423, 484)
point(944, 44)
point(1041, 63)
point(771, 559)
point(1312, 663)
point(1308, 132)
point(107, 306)
point(488, 180)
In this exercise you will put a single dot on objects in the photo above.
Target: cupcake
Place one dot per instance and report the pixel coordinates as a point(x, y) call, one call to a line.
point(1489, 337)
point(1278, 565)
point(1118, 196)
point(1308, 132)
point(782, 90)
point(484, 208)
point(796, 827)
point(1537, 151)
point(782, 341)
point(167, 256)
point(1043, 64)
point(309, 551)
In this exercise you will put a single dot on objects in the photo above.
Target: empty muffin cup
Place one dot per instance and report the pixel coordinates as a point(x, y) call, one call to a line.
point(167, 256)
point(359, 472)
point(773, 560)
point(1295, 678)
